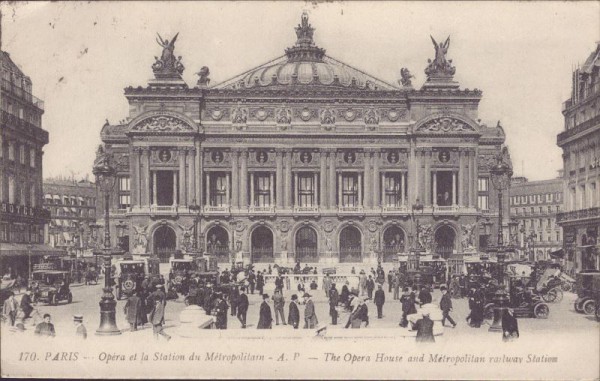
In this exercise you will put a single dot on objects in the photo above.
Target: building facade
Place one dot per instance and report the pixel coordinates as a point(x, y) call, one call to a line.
point(22, 216)
point(305, 159)
point(72, 206)
point(580, 142)
point(534, 206)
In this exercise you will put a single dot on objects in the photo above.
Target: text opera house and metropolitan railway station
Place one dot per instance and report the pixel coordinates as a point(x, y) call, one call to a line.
point(304, 158)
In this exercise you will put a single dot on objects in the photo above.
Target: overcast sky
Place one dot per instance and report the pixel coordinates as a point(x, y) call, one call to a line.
point(80, 57)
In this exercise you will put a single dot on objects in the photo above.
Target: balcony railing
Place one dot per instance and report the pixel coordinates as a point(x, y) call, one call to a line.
point(306, 209)
point(217, 209)
point(578, 214)
point(394, 209)
point(580, 128)
point(350, 209)
point(21, 93)
point(269, 209)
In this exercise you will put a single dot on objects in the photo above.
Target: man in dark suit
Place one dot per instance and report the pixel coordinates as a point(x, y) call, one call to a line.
point(265, 320)
point(334, 299)
point(424, 328)
point(294, 312)
point(425, 296)
point(242, 306)
point(446, 306)
point(379, 300)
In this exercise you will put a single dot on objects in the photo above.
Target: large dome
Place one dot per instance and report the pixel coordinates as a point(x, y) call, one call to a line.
point(305, 64)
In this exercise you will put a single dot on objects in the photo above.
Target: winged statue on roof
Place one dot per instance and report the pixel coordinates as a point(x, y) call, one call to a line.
point(167, 61)
point(440, 65)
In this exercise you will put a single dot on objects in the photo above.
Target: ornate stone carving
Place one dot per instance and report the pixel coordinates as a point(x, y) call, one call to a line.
point(327, 117)
point(186, 237)
point(240, 226)
point(284, 115)
point(122, 162)
point(167, 66)
point(284, 226)
point(203, 79)
point(305, 114)
point(283, 241)
point(218, 113)
point(261, 113)
point(405, 78)
point(440, 66)
point(140, 239)
point(350, 114)
point(394, 114)
point(371, 117)
point(445, 124)
point(425, 236)
point(328, 226)
point(328, 242)
point(372, 226)
point(162, 123)
point(468, 238)
point(164, 156)
point(239, 115)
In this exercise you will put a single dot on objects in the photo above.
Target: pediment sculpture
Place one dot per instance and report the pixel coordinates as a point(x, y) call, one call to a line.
point(371, 117)
point(445, 124)
point(167, 66)
point(239, 115)
point(162, 123)
point(440, 66)
point(327, 117)
point(284, 116)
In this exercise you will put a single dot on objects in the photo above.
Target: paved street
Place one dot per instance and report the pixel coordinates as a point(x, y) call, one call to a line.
point(86, 298)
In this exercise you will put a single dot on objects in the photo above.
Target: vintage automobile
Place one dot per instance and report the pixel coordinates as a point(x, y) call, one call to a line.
point(51, 286)
point(180, 273)
point(588, 293)
point(522, 299)
point(129, 276)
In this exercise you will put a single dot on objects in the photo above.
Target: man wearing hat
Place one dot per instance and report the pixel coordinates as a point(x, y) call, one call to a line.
point(10, 307)
point(278, 304)
point(242, 306)
point(265, 320)
point(334, 299)
point(379, 300)
point(80, 330)
point(133, 311)
point(294, 312)
point(310, 316)
point(424, 329)
point(446, 306)
point(209, 297)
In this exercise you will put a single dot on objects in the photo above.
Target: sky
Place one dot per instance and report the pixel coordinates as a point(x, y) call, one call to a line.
point(80, 57)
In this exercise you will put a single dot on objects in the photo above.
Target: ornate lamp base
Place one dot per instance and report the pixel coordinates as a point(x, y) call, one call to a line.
point(501, 299)
point(108, 323)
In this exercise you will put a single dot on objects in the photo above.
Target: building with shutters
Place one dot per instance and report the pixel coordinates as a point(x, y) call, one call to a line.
point(305, 158)
point(580, 142)
point(22, 139)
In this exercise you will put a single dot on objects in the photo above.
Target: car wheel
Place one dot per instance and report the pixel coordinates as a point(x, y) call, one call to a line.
point(566, 286)
point(541, 311)
point(559, 294)
point(549, 296)
point(589, 307)
point(577, 306)
point(598, 312)
point(53, 300)
point(70, 298)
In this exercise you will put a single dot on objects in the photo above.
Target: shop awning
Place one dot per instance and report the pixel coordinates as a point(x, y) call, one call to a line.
point(560, 253)
point(22, 249)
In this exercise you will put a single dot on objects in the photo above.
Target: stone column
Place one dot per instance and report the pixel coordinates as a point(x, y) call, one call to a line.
point(235, 180)
point(182, 161)
point(134, 181)
point(366, 203)
point(288, 179)
point(332, 184)
point(411, 190)
point(296, 189)
point(434, 190)
point(146, 189)
point(453, 188)
point(382, 200)
point(403, 187)
point(315, 190)
point(461, 172)
point(154, 188)
point(207, 188)
point(427, 189)
point(339, 188)
point(175, 187)
point(244, 180)
point(323, 201)
point(279, 178)
point(252, 189)
point(227, 190)
point(199, 175)
point(271, 189)
point(376, 179)
point(192, 176)
point(473, 179)
point(360, 193)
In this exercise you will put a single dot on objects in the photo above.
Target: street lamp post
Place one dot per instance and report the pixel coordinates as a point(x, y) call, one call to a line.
point(105, 180)
point(195, 208)
point(532, 237)
point(500, 174)
point(416, 244)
